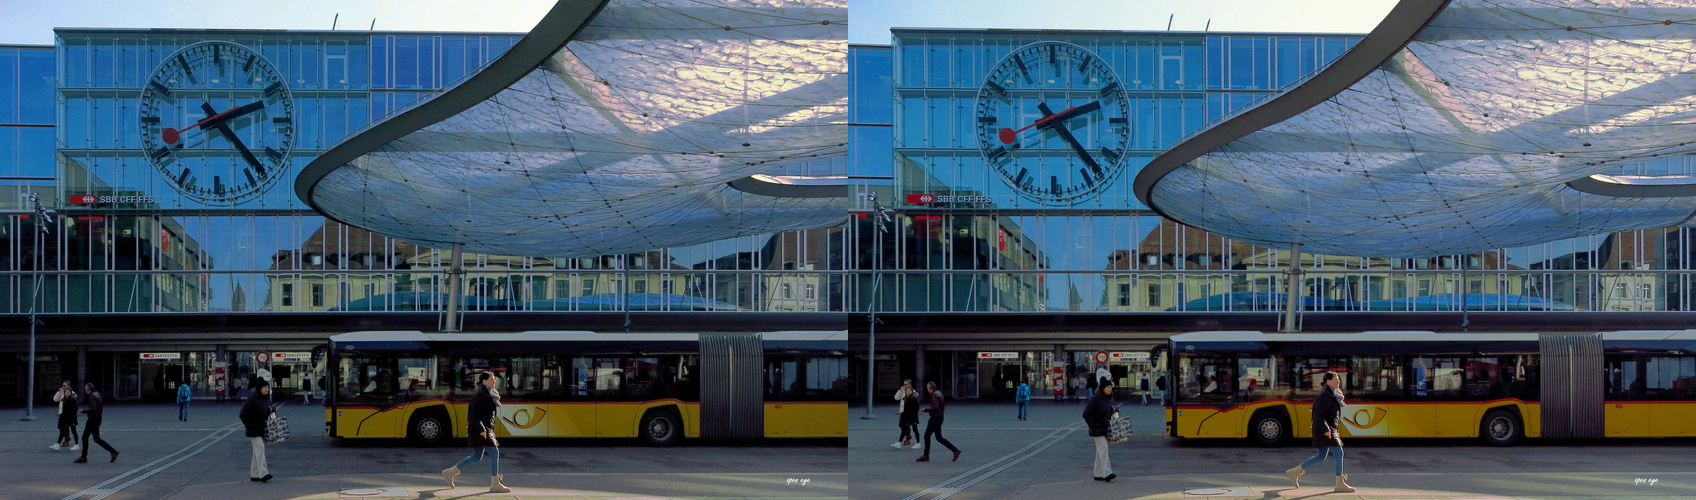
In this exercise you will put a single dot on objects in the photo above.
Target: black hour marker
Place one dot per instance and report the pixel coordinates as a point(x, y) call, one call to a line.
point(1054, 184)
point(1053, 57)
point(150, 120)
point(986, 119)
point(997, 155)
point(1021, 64)
point(1088, 180)
point(1110, 154)
point(216, 59)
point(250, 179)
point(182, 178)
point(249, 65)
point(218, 185)
point(1118, 121)
point(158, 153)
point(1109, 89)
point(1019, 180)
point(996, 88)
point(273, 89)
point(160, 87)
point(274, 154)
point(1083, 66)
point(281, 120)
point(187, 71)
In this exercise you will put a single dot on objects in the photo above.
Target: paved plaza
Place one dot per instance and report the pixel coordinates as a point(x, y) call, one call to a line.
point(207, 458)
point(1049, 457)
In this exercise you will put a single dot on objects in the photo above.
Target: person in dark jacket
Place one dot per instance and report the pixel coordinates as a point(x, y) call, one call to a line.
point(95, 410)
point(934, 425)
point(67, 400)
point(480, 432)
point(254, 414)
point(1098, 414)
point(1327, 432)
point(909, 420)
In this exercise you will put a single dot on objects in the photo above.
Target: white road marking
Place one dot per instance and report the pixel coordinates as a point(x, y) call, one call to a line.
point(99, 491)
point(944, 490)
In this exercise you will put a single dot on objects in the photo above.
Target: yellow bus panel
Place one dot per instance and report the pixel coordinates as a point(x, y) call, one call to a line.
point(829, 420)
point(692, 419)
point(1626, 420)
point(1671, 419)
point(786, 419)
point(1457, 420)
point(617, 420)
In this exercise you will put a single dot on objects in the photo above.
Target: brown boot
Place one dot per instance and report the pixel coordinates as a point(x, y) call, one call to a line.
point(1343, 487)
point(1295, 475)
point(449, 473)
point(495, 485)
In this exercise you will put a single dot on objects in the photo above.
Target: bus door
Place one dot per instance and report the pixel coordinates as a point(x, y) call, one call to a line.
point(369, 388)
point(524, 386)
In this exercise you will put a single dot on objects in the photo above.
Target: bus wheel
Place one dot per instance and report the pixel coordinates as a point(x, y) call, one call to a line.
point(1269, 428)
point(661, 428)
point(429, 427)
point(1500, 428)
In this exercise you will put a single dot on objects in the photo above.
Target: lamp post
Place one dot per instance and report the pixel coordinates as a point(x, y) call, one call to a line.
point(43, 223)
point(882, 220)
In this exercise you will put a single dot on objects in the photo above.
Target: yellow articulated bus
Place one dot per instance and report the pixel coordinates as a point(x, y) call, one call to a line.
point(1496, 387)
point(654, 387)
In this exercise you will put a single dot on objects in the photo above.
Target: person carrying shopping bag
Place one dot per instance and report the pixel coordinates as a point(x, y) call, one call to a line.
point(480, 433)
point(254, 414)
point(1327, 432)
point(1098, 415)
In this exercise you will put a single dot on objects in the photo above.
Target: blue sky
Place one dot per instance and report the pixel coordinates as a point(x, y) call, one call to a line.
point(32, 21)
point(869, 20)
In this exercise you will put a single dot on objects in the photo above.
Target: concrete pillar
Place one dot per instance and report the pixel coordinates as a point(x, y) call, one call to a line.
point(919, 368)
point(82, 367)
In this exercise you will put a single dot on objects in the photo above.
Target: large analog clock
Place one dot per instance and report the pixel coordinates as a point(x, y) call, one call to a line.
point(1053, 121)
point(217, 121)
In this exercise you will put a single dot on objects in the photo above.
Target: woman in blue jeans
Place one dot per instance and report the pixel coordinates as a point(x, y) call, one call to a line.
point(480, 433)
point(1327, 436)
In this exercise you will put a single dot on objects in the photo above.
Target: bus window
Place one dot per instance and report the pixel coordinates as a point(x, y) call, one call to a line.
point(783, 378)
point(1377, 378)
point(827, 378)
point(1437, 376)
point(1669, 377)
point(418, 379)
point(524, 378)
point(1488, 377)
point(1620, 380)
point(367, 380)
point(1257, 378)
point(640, 377)
point(1206, 378)
point(1306, 374)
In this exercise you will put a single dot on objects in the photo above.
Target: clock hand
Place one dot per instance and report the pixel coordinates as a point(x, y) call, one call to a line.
point(171, 135)
point(1082, 153)
point(223, 127)
point(1008, 135)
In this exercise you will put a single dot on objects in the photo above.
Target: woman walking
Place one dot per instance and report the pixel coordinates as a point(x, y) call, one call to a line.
point(1327, 435)
point(909, 419)
point(480, 433)
point(91, 430)
point(254, 413)
point(1098, 414)
point(67, 399)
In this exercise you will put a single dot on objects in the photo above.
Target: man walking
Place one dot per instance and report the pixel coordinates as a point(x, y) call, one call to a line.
point(91, 430)
point(1023, 397)
point(184, 392)
point(934, 426)
point(1145, 390)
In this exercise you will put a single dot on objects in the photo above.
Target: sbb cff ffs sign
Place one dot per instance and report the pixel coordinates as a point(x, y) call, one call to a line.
point(927, 199)
point(89, 199)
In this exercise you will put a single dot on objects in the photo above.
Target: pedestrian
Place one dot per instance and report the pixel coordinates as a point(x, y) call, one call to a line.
point(184, 392)
point(1023, 397)
point(1160, 385)
point(1089, 384)
point(909, 416)
point(67, 399)
point(1327, 436)
point(933, 427)
point(254, 416)
point(1145, 389)
point(1098, 415)
point(480, 433)
point(1077, 386)
point(1104, 378)
point(91, 429)
point(306, 390)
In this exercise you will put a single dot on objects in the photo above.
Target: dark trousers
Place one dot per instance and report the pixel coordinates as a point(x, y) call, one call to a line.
point(909, 427)
point(934, 428)
point(182, 410)
point(91, 430)
point(68, 429)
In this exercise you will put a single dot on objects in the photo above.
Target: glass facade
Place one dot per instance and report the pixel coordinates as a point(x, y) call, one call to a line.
point(961, 239)
point(72, 127)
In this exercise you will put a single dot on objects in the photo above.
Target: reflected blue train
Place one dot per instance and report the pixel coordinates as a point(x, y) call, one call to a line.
point(1269, 301)
point(428, 301)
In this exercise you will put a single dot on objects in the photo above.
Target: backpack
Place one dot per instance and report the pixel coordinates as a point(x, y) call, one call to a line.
point(1161, 383)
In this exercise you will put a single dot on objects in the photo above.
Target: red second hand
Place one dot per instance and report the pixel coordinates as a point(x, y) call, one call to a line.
point(171, 135)
point(1008, 134)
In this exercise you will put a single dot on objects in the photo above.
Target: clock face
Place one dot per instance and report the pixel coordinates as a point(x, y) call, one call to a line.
point(217, 121)
point(1053, 121)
